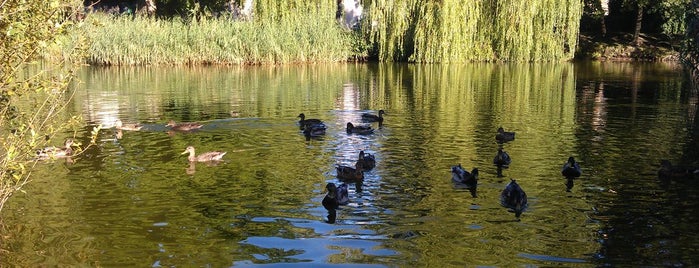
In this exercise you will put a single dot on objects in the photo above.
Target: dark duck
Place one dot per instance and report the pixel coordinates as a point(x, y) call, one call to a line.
point(369, 117)
point(348, 173)
point(463, 178)
point(514, 198)
point(570, 171)
point(502, 136)
point(668, 171)
point(336, 196)
point(303, 122)
point(314, 131)
point(502, 161)
point(366, 161)
point(359, 129)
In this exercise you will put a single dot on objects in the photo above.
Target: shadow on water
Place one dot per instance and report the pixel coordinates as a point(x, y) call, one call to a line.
point(134, 200)
point(644, 220)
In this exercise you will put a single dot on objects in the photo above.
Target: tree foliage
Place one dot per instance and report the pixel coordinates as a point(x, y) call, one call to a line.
point(32, 97)
point(461, 31)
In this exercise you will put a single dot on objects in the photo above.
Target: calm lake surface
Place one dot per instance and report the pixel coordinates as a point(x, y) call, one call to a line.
point(134, 200)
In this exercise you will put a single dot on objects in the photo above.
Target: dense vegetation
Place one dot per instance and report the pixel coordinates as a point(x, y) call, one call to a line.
point(31, 99)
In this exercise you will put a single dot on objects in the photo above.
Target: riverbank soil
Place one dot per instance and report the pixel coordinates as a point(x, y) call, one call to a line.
point(620, 47)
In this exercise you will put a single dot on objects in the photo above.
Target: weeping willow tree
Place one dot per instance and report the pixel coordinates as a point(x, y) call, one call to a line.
point(481, 30)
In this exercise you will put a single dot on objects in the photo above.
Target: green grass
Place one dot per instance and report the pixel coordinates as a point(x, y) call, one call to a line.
point(306, 38)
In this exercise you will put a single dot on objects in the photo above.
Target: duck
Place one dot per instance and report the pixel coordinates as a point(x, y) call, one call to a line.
point(462, 177)
point(307, 122)
point(350, 173)
point(315, 130)
point(56, 152)
point(205, 157)
point(502, 159)
point(186, 126)
point(668, 171)
point(342, 194)
point(132, 127)
point(502, 136)
point(351, 128)
point(514, 198)
point(369, 117)
point(330, 202)
point(366, 161)
point(571, 169)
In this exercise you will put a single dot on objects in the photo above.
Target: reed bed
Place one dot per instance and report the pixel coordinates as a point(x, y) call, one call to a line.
point(306, 38)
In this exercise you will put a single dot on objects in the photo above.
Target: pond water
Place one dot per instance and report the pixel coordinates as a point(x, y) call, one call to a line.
point(134, 200)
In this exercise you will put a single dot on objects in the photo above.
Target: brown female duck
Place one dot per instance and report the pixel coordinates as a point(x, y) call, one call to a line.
point(187, 126)
point(132, 127)
point(56, 152)
point(205, 157)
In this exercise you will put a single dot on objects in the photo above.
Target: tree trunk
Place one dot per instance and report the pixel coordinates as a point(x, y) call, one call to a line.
point(604, 4)
point(637, 31)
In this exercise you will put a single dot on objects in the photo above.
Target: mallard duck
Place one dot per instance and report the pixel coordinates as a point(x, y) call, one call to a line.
point(187, 126)
point(205, 157)
point(502, 159)
point(342, 194)
point(121, 126)
point(571, 169)
point(349, 173)
point(462, 177)
point(307, 122)
point(668, 171)
point(56, 152)
point(366, 161)
point(503, 136)
point(330, 202)
point(368, 117)
point(351, 128)
point(514, 198)
point(315, 130)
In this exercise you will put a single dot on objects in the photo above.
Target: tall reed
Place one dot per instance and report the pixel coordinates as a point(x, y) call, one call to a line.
point(309, 35)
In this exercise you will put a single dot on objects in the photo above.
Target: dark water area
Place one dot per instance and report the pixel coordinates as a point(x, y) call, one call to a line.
point(134, 200)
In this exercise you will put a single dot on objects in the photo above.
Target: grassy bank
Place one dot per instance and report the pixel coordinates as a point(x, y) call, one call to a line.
point(308, 37)
point(619, 47)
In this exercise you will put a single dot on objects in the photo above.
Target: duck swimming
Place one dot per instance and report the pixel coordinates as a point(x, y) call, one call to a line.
point(364, 130)
point(514, 198)
point(366, 161)
point(349, 173)
point(132, 127)
point(303, 123)
point(502, 136)
point(56, 152)
point(205, 157)
point(462, 177)
point(315, 130)
point(668, 171)
point(502, 160)
point(571, 169)
point(330, 202)
point(187, 126)
point(368, 117)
